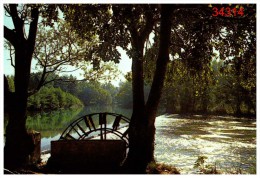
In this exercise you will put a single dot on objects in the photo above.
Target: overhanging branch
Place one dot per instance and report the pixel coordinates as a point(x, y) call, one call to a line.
point(10, 35)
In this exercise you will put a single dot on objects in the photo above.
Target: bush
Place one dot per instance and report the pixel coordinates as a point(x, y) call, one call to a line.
point(51, 99)
point(205, 168)
point(161, 168)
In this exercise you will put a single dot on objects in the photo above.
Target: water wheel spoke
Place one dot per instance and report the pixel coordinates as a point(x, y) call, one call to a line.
point(88, 130)
point(116, 122)
point(89, 122)
point(70, 136)
point(101, 133)
point(102, 121)
point(92, 123)
point(125, 133)
point(77, 131)
point(82, 130)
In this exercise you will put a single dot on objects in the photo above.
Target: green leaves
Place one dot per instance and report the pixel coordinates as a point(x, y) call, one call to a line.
point(49, 98)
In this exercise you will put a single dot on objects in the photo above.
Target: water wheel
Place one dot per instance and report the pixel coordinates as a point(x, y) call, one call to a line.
point(100, 126)
point(94, 143)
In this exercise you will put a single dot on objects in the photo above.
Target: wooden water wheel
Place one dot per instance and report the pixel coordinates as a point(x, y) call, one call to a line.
point(100, 126)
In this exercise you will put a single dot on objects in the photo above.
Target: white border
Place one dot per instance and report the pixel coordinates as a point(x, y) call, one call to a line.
point(124, 2)
point(134, 1)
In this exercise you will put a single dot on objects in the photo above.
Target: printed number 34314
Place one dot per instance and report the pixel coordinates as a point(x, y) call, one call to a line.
point(227, 12)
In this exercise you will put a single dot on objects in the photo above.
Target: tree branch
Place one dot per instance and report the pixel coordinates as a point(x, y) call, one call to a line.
point(10, 36)
point(33, 29)
point(17, 21)
point(161, 63)
point(150, 21)
point(11, 58)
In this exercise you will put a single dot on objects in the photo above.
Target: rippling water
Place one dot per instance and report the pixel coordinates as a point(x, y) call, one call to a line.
point(228, 142)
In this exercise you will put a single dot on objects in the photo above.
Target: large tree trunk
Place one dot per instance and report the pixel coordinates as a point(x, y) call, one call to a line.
point(142, 128)
point(135, 161)
point(18, 144)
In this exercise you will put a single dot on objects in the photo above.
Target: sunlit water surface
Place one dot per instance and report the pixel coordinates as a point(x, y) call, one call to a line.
point(228, 142)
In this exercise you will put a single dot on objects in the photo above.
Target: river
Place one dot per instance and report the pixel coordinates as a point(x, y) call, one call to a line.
point(229, 143)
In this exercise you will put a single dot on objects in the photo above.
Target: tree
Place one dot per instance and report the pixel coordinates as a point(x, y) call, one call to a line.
point(124, 95)
point(237, 46)
point(194, 43)
point(49, 98)
point(59, 51)
point(93, 94)
point(121, 25)
point(56, 49)
point(111, 89)
point(51, 56)
point(18, 144)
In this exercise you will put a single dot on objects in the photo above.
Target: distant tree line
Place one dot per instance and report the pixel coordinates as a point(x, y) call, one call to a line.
point(66, 92)
point(220, 87)
point(50, 98)
point(217, 89)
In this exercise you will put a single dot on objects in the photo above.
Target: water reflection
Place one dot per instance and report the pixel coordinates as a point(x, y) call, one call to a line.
point(52, 124)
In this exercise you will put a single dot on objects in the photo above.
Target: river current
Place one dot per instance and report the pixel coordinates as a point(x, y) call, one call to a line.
point(229, 143)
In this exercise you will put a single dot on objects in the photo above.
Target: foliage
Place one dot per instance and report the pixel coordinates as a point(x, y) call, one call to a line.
point(113, 23)
point(210, 69)
point(52, 98)
point(215, 90)
point(59, 50)
point(10, 80)
point(111, 89)
point(161, 168)
point(93, 94)
point(229, 94)
point(124, 96)
point(90, 93)
point(205, 168)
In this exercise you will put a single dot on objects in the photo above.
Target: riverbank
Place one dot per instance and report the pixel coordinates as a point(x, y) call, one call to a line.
point(210, 116)
point(42, 168)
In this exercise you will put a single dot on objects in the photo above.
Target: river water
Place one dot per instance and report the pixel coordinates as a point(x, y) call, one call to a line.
point(229, 143)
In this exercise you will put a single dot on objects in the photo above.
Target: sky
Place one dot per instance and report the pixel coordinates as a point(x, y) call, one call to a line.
point(124, 65)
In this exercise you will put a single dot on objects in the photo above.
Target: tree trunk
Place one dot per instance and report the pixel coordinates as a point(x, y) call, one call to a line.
point(135, 161)
point(18, 144)
point(142, 128)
